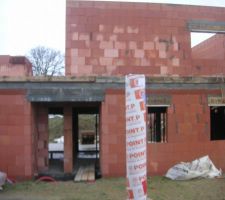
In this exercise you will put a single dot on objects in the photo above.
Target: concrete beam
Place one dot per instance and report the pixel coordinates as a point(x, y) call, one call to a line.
point(206, 26)
point(92, 89)
point(65, 95)
point(110, 79)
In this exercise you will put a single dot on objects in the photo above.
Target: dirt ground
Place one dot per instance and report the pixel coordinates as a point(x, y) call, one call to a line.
point(159, 188)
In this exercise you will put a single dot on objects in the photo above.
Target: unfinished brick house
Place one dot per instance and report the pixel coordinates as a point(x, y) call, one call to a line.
point(104, 42)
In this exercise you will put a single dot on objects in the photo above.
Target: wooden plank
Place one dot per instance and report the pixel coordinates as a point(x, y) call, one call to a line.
point(79, 174)
point(91, 174)
point(85, 174)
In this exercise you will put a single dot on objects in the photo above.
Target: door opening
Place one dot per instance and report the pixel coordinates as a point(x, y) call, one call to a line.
point(56, 139)
point(86, 138)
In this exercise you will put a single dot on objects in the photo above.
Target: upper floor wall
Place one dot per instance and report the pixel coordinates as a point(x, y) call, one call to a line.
point(15, 66)
point(113, 38)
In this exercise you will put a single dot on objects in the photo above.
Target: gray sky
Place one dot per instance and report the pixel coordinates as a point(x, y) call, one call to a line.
point(25, 24)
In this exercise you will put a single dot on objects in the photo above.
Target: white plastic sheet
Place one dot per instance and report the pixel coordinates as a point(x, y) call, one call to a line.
point(202, 167)
point(2, 179)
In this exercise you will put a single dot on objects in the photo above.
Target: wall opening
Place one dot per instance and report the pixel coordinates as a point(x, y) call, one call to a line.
point(56, 139)
point(197, 38)
point(88, 133)
point(157, 124)
point(208, 46)
point(217, 119)
point(86, 137)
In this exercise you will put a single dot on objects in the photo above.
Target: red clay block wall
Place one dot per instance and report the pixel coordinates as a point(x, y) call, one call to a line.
point(15, 134)
point(188, 134)
point(112, 38)
point(112, 138)
point(212, 48)
point(41, 137)
point(15, 66)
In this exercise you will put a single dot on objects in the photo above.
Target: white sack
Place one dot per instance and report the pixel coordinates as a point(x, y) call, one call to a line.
point(202, 167)
point(2, 179)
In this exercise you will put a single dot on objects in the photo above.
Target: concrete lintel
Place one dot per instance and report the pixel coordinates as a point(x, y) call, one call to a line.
point(42, 79)
point(110, 79)
point(65, 95)
point(206, 26)
point(93, 89)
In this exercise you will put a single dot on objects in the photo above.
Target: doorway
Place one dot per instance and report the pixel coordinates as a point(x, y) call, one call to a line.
point(55, 139)
point(86, 137)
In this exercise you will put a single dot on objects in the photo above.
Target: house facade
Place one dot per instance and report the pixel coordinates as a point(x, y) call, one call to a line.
point(104, 42)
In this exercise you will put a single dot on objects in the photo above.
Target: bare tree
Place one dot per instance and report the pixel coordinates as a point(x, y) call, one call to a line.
point(46, 61)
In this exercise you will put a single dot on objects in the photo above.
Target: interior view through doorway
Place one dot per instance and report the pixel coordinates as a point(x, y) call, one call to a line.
point(83, 134)
point(86, 139)
point(55, 139)
point(88, 136)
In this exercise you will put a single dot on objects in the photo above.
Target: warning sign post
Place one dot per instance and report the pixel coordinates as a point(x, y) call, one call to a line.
point(136, 137)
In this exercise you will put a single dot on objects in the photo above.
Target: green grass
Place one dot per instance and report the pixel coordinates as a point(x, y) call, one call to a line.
point(159, 188)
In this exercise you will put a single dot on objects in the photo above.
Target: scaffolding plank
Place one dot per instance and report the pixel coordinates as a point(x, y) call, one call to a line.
point(79, 174)
point(91, 173)
point(85, 174)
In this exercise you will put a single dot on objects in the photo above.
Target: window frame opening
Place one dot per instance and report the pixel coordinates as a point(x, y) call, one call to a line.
point(217, 125)
point(157, 122)
point(198, 37)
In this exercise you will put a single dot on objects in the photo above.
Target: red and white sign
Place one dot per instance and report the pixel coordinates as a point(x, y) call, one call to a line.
point(136, 137)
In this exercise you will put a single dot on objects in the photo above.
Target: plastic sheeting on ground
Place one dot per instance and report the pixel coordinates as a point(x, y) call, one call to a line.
point(3, 177)
point(202, 167)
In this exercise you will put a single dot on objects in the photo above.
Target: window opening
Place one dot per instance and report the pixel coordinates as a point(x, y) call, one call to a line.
point(156, 124)
point(217, 121)
point(197, 38)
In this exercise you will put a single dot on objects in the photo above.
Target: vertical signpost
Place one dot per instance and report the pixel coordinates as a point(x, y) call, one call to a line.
point(136, 137)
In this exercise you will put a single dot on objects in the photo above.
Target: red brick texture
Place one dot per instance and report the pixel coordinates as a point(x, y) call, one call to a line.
point(188, 134)
point(112, 38)
point(15, 134)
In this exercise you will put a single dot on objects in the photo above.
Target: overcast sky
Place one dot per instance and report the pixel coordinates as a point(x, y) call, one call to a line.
point(25, 24)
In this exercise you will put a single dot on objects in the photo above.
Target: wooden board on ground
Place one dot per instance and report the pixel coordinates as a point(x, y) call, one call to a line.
point(78, 176)
point(85, 173)
point(91, 173)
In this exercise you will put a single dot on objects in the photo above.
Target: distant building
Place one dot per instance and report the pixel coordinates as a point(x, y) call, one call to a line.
point(15, 66)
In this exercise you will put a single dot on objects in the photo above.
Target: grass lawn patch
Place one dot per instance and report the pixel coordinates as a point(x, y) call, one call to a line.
point(159, 188)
